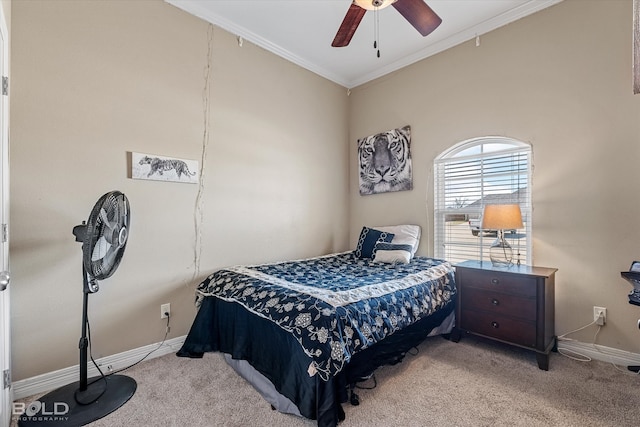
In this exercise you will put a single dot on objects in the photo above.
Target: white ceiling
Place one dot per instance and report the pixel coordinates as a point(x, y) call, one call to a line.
point(301, 31)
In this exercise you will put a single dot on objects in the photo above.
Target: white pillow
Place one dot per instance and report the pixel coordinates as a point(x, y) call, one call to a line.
point(404, 235)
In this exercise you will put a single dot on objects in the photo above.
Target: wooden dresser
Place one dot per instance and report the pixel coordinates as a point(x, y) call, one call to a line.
point(513, 305)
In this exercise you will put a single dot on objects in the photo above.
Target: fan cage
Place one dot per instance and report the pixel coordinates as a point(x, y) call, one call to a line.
point(108, 223)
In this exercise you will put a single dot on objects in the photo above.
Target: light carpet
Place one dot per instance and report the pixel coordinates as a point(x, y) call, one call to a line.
point(471, 383)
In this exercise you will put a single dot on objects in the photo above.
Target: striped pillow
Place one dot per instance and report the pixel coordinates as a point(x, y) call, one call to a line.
point(392, 253)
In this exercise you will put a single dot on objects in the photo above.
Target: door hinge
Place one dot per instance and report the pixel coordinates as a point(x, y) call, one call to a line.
point(5, 85)
point(6, 378)
point(5, 233)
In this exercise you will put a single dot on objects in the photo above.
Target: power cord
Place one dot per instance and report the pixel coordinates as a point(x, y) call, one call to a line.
point(104, 376)
point(569, 353)
point(166, 333)
point(582, 357)
point(616, 367)
point(354, 399)
point(370, 377)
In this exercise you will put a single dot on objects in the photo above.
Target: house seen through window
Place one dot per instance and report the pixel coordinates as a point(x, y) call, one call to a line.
point(470, 175)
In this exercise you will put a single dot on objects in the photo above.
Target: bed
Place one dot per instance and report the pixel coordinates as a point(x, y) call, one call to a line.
point(304, 332)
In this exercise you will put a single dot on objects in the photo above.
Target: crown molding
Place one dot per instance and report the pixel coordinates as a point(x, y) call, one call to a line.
point(196, 8)
point(459, 38)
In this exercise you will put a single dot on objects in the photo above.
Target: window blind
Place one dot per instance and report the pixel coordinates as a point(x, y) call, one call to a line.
point(472, 174)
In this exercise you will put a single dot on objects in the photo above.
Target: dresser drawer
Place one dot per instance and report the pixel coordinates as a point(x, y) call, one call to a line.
point(498, 282)
point(514, 305)
point(499, 303)
point(500, 327)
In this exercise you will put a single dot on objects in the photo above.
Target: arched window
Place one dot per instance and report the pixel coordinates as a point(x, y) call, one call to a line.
point(470, 175)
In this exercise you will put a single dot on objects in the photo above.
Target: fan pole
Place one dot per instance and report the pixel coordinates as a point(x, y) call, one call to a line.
point(83, 339)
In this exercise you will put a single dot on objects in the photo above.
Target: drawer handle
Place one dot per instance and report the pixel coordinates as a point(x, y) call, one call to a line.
point(496, 325)
point(495, 281)
point(495, 301)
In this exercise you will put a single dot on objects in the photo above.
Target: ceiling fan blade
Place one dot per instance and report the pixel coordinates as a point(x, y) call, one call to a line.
point(349, 26)
point(419, 14)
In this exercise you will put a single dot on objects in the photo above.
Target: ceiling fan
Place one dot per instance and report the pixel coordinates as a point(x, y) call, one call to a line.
point(417, 12)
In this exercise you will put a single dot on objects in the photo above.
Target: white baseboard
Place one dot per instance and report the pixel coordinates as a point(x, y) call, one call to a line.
point(53, 380)
point(599, 352)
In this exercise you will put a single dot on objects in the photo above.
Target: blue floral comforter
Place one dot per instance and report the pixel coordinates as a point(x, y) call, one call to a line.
point(339, 304)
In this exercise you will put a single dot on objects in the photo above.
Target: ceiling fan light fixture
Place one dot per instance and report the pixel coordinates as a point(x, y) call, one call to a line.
point(373, 4)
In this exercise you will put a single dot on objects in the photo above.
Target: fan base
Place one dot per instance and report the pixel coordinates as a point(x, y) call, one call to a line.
point(59, 407)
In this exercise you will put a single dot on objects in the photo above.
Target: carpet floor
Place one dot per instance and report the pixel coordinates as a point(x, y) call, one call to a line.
point(471, 383)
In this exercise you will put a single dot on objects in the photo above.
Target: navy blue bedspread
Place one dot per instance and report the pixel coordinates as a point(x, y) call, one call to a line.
point(336, 305)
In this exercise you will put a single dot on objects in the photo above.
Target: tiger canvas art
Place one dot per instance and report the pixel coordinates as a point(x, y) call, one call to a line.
point(158, 168)
point(385, 161)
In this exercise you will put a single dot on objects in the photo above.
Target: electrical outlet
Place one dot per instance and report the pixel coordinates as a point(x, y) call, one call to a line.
point(165, 310)
point(597, 311)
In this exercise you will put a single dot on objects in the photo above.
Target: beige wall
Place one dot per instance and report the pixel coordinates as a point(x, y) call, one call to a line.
point(92, 81)
point(560, 80)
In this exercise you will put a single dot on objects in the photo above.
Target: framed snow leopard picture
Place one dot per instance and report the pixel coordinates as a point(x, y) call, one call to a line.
point(385, 162)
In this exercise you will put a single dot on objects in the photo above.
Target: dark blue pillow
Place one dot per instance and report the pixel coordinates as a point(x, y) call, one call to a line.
point(366, 247)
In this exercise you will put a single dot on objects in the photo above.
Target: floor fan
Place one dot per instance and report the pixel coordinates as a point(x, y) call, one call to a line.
point(104, 237)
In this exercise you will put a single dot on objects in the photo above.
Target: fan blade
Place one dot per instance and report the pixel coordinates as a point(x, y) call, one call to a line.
point(419, 14)
point(105, 220)
point(349, 26)
point(110, 257)
point(100, 249)
point(103, 258)
point(123, 211)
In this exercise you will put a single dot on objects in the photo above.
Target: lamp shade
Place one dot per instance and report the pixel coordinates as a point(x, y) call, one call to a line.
point(502, 217)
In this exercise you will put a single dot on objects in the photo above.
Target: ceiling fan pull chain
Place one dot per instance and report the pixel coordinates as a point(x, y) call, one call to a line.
point(376, 30)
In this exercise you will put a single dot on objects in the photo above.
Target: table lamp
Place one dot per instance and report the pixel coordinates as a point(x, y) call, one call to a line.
point(500, 218)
